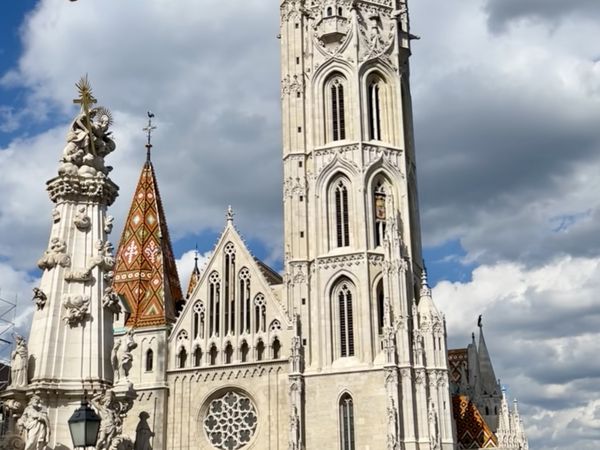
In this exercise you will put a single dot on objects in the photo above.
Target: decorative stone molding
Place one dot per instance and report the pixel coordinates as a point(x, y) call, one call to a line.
point(77, 307)
point(82, 221)
point(39, 298)
point(294, 187)
point(292, 85)
point(78, 275)
point(98, 189)
point(55, 255)
point(377, 34)
point(55, 215)
point(333, 262)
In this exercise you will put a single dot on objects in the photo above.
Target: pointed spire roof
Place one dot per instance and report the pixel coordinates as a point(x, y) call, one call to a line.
point(486, 371)
point(145, 273)
point(194, 277)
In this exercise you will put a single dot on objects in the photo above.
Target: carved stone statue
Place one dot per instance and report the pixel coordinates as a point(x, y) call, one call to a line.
point(55, 255)
point(105, 258)
point(35, 424)
point(294, 443)
point(108, 224)
point(122, 358)
point(143, 433)
point(82, 221)
point(110, 301)
point(111, 424)
point(19, 363)
point(39, 298)
point(55, 215)
point(434, 438)
point(295, 356)
point(392, 428)
point(77, 308)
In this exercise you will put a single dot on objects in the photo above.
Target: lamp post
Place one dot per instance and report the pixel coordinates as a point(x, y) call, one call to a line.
point(84, 425)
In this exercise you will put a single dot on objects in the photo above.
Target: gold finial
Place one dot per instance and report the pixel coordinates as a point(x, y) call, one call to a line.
point(86, 99)
point(148, 129)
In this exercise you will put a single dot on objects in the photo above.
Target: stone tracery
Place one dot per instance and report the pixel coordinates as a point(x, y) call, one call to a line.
point(231, 421)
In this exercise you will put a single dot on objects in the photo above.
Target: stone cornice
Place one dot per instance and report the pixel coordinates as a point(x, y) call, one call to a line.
point(76, 188)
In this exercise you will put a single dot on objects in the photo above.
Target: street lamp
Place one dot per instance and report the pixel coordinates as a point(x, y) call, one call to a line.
point(84, 425)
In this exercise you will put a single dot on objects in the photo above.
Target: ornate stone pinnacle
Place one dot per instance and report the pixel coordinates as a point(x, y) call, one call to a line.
point(229, 215)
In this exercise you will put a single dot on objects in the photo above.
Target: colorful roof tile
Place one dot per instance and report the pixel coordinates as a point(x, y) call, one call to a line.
point(471, 429)
point(145, 273)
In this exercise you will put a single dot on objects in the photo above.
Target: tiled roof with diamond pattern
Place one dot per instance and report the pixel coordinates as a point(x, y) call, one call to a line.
point(145, 273)
point(471, 429)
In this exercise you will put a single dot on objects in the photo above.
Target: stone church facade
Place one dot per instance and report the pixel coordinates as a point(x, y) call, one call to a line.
point(343, 350)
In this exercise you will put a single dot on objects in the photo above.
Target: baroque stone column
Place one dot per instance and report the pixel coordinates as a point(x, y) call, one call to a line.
point(71, 338)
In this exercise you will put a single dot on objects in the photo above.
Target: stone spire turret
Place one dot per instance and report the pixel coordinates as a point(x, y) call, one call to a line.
point(71, 338)
point(194, 277)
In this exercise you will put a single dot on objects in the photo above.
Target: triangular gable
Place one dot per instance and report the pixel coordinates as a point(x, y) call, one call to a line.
point(145, 272)
point(264, 280)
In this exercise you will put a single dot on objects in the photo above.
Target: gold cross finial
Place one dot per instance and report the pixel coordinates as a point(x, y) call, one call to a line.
point(148, 129)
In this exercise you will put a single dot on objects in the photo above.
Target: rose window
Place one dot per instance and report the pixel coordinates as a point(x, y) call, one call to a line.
point(230, 421)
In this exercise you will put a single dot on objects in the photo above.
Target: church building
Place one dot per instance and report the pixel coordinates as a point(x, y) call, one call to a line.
point(344, 349)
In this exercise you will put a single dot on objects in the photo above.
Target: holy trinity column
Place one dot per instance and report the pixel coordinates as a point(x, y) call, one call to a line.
point(70, 356)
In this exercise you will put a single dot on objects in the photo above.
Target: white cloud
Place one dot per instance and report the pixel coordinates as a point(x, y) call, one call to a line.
point(541, 327)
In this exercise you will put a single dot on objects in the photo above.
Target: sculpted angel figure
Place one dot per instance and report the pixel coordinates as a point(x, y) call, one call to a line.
point(34, 422)
point(19, 363)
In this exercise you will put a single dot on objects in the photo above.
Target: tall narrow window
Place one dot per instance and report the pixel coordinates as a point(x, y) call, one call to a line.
point(181, 358)
point(380, 308)
point(214, 304)
point(379, 211)
point(342, 225)
point(346, 320)
point(346, 422)
point(338, 120)
point(197, 357)
point(149, 360)
point(260, 313)
point(229, 289)
point(198, 320)
point(244, 309)
point(374, 105)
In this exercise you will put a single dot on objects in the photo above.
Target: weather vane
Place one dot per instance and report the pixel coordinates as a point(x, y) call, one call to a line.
point(148, 129)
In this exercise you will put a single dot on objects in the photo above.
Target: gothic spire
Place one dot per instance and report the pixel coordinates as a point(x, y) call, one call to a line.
point(194, 277)
point(486, 371)
point(146, 274)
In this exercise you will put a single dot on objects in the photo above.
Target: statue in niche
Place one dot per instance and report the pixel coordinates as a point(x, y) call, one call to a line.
point(35, 424)
point(82, 220)
point(19, 363)
point(39, 298)
point(433, 428)
point(294, 429)
point(143, 433)
point(77, 308)
point(122, 358)
point(55, 255)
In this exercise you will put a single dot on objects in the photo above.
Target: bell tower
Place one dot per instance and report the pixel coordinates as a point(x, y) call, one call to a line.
point(373, 344)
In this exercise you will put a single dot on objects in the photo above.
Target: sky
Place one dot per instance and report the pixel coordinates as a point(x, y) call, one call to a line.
point(506, 97)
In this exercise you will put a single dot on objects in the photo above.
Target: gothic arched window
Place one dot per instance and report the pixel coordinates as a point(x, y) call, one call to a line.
point(198, 320)
point(229, 289)
point(181, 358)
point(149, 360)
point(197, 357)
point(342, 299)
point(339, 200)
point(245, 310)
point(346, 409)
point(374, 105)
point(329, 11)
point(335, 109)
point(260, 311)
point(214, 304)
